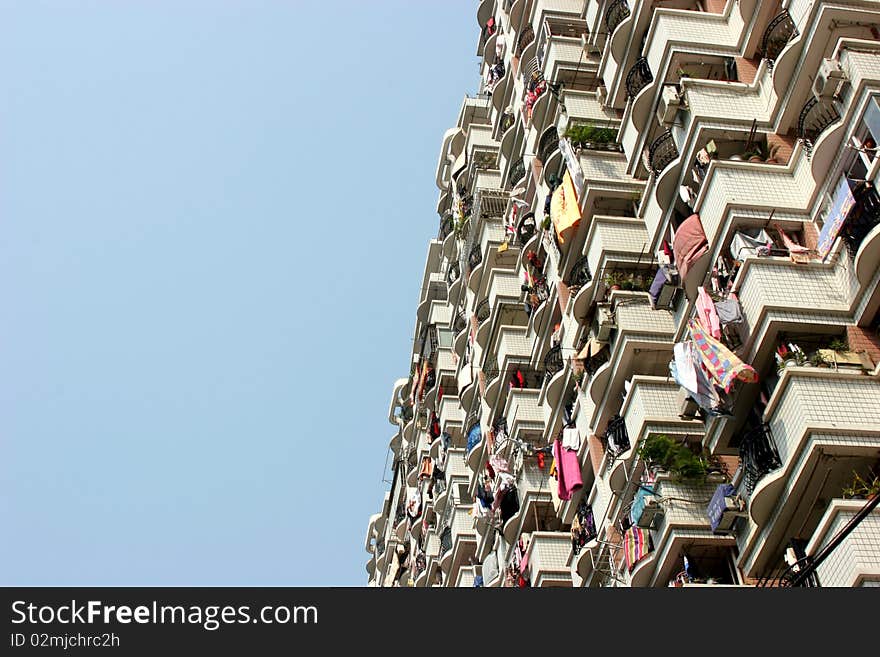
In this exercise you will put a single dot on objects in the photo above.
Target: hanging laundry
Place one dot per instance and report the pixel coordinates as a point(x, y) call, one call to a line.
point(721, 363)
point(636, 546)
point(568, 467)
point(706, 313)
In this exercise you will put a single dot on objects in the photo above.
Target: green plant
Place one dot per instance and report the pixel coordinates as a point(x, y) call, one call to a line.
point(613, 278)
point(585, 133)
point(659, 450)
point(839, 344)
point(546, 223)
point(817, 359)
point(862, 488)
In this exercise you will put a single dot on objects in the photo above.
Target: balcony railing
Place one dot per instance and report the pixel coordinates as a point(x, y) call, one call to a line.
point(447, 225)
point(400, 514)
point(526, 228)
point(521, 377)
point(507, 121)
point(517, 172)
point(483, 311)
point(490, 367)
point(662, 152)
point(618, 11)
point(639, 77)
point(779, 32)
point(553, 362)
point(453, 273)
point(549, 144)
point(527, 36)
point(615, 440)
point(475, 257)
point(445, 540)
point(862, 219)
point(814, 118)
point(460, 322)
point(580, 273)
point(758, 454)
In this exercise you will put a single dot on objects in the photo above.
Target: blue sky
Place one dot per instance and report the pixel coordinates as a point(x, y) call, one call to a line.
point(213, 223)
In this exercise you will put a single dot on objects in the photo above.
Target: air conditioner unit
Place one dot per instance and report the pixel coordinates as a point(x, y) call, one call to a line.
point(604, 321)
point(651, 514)
point(828, 79)
point(670, 102)
point(735, 507)
point(687, 407)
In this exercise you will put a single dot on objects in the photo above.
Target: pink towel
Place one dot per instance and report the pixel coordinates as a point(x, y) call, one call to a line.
point(568, 471)
point(689, 244)
point(707, 315)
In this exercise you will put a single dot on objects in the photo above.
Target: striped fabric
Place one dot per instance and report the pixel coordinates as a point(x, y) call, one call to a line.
point(636, 545)
point(720, 362)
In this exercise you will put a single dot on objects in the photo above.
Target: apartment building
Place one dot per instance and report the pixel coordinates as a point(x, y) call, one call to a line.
point(646, 348)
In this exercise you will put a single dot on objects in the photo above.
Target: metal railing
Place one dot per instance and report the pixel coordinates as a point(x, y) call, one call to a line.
point(526, 228)
point(580, 273)
point(460, 322)
point(447, 225)
point(525, 38)
point(638, 77)
point(618, 11)
point(475, 257)
point(615, 439)
point(780, 30)
point(758, 454)
point(549, 144)
point(517, 172)
point(816, 115)
point(483, 311)
point(862, 219)
point(507, 121)
point(553, 362)
point(662, 152)
point(453, 272)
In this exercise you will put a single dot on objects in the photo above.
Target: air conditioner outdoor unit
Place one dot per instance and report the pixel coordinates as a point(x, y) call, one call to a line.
point(605, 322)
point(687, 407)
point(651, 514)
point(828, 79)
point(735, 507)
point(670, 102)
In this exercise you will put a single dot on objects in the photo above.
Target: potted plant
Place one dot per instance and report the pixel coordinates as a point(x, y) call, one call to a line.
point(862, 488)
point(588, 135)
point(663, 453)
point(613, 280)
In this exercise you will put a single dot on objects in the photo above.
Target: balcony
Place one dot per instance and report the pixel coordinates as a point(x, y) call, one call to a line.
point(780, 30)
point(682, 527)
point(548, 146)
point(638, 77)
point(535, 500)
point(854, 562)
point(825, 425)
point(548, 554)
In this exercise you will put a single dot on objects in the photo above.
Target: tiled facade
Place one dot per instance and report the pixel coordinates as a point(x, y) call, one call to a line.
point(564, 422)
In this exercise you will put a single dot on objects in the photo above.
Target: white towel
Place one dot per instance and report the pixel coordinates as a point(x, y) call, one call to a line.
point(571, 438)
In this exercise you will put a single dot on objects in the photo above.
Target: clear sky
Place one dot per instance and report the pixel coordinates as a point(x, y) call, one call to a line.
point(213, 224)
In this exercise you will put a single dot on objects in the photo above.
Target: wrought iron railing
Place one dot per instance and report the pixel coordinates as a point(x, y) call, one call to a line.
point(447, 225)
point(526, 228)
point(758, 454)
point(400, 513)
point(490, 367)
point(553, 362)
point(580, 273)
point(445, 540)
point(475, 257)
point(549, 144)
point(638, 77)
point(862, 219)
point(615, 439)
point(662, 152)
point(483, 311)
point(460, 322)
point(617, 12)
point(523, 376)
point(779, 32)
point(517, 172)
point(816, 115)
point(507, 121)
point(525, 38)
point(453, 272)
